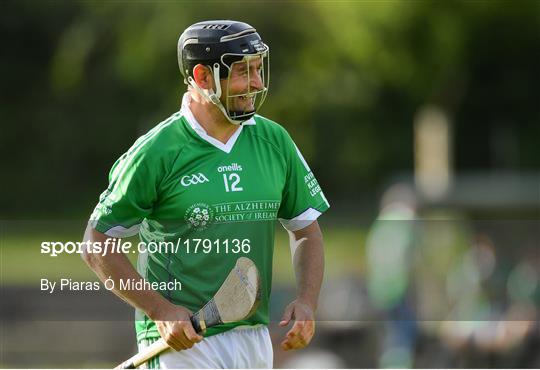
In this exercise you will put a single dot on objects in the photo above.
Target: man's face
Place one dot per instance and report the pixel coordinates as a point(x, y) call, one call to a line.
point(246, 79)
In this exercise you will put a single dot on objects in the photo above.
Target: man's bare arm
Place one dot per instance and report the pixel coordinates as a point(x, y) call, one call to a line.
point(308, 260)
point(176, 329)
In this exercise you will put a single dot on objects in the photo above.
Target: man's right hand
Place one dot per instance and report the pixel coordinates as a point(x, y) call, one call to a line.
point(172, 321)
point(176, 328)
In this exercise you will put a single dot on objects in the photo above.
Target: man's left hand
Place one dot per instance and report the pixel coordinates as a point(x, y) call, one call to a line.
point(304, 325)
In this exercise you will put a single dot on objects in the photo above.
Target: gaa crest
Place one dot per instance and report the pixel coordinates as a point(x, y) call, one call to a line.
point(199, 216)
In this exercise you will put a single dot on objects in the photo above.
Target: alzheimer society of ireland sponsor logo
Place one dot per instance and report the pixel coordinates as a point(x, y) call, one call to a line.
point(255, 210)
point(199, 216)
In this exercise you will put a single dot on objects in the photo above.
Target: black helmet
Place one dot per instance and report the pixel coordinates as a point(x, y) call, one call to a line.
point(219, 44)
point(206, 42)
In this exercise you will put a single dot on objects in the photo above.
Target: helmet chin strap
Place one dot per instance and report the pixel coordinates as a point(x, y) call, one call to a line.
point(213, 97)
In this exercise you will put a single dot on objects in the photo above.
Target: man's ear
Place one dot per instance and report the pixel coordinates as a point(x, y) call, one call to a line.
point(203, 77)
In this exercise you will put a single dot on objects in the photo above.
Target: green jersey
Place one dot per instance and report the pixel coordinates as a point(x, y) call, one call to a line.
point(201, 204)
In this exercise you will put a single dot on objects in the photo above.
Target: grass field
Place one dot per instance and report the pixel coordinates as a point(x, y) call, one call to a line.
point(22, 263)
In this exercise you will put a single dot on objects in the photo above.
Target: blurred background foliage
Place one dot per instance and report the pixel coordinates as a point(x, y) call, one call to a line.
point(82, 80)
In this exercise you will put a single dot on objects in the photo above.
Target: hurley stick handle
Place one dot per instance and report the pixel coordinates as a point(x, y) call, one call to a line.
point(235, 300)
point(149, 352)
point(158, 346)
point(198, 322)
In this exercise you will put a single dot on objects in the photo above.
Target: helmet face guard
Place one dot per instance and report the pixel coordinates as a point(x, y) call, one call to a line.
point(227, 47)
point(251, 70)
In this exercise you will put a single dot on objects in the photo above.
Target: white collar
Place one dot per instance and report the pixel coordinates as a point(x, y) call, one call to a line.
point(196, 126)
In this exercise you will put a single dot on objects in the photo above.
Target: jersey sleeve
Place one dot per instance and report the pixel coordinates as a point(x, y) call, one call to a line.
point(130, 196)
point(302, 200)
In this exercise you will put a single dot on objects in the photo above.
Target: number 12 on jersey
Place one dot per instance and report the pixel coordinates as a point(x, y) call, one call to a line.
point(231, 182)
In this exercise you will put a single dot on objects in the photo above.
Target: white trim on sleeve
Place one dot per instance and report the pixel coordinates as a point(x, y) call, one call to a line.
point(306, 166)
point(324, 198)
point(118, 231)
point(303, 220)
point(122, 232)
